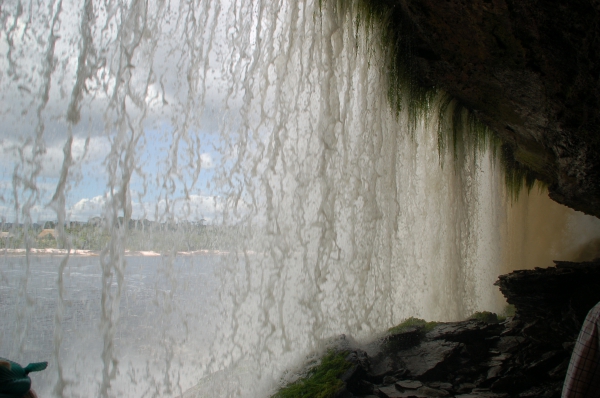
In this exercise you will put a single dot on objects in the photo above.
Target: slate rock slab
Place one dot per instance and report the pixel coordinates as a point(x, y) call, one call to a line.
point(390, 392)
point(426, 357)
point(463, 332)
point(409, 384)
point(421, 392)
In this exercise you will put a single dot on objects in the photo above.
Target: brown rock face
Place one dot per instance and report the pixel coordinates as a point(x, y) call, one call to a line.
point(531, 70)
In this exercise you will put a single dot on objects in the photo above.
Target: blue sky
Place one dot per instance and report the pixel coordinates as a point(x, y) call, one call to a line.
point(172, 86)
point(88, 182)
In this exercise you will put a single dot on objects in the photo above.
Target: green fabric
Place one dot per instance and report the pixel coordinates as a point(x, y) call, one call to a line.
point(35, 367)
point(14, 382)
point(6, 375)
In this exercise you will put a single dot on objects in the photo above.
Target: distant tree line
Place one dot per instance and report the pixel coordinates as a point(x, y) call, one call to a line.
point(142, 234)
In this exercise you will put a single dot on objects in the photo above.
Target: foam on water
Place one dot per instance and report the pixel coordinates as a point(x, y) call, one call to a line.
point(268, 120)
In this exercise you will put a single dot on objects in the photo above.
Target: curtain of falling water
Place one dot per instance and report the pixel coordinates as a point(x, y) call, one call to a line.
point(345, 221)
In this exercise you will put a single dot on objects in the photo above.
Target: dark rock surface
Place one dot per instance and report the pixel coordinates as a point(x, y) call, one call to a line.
point(553, 302)
point(524, 356)
point(530, 69)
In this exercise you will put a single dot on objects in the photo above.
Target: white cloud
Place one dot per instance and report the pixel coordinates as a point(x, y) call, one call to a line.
point(87, 208)
point(195, 208)
point(207, 161)
point(53, 158)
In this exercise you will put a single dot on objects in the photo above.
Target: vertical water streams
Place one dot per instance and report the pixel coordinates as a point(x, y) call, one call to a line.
point(269, 122)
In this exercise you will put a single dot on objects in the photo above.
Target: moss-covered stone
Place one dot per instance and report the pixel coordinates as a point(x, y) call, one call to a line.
point(412, 322)
point(322, 380)
point(485, 317)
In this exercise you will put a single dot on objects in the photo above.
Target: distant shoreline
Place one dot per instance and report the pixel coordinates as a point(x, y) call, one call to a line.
point(96, 253)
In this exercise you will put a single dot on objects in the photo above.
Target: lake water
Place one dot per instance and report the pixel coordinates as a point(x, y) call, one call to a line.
point(168, 316)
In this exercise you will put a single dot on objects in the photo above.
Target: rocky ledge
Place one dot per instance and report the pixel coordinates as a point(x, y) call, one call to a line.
point(459, 359)
point(530, 70)
point(526, 355)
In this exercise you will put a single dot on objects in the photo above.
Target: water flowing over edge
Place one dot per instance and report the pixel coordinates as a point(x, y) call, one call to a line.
point(268, 119)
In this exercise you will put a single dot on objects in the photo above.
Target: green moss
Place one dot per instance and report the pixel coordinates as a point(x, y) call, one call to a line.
point(395, 37)
point(322, 381)
point(459, 128)
point(410, 323)
point(509, 311)
point(404, 335)
point(485, 316)
point(516, 175)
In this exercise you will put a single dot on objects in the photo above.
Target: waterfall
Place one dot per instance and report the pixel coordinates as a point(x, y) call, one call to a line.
point(252, 145)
